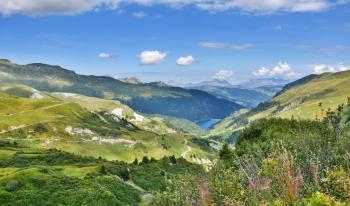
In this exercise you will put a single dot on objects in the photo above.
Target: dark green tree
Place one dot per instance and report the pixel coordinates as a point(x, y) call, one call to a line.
point(103, 170)
point(125, 174)
point(225, 153)
point(145, 160)
point(173, 159)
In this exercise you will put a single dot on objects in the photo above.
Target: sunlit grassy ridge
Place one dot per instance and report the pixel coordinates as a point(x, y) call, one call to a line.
point(307, 98)
point(75, 126)
point(303, 100)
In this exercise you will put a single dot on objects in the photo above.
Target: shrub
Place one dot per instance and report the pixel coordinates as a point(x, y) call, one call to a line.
point(337, 183)
point(13, 185)
point(125, 174)
point(103, 170)
point(321, 199)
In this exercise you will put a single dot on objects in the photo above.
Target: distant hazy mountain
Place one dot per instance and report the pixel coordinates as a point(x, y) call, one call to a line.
point(159, 84)
point(190, 104)
point(263, 82)
point(269, 90)
point(131, 80)
point(247, 96)
point(214, 82)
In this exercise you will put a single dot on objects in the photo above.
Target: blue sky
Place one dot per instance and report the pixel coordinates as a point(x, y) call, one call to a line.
point(236, 42)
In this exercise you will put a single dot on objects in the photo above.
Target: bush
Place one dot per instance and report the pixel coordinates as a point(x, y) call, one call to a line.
point(12, 186)
point(103, 170)
point(321, 199)
point(338, 184)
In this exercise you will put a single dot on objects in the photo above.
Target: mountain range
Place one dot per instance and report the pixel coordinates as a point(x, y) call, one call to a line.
point(191, 104)
point(249, 94)
point(72, 139)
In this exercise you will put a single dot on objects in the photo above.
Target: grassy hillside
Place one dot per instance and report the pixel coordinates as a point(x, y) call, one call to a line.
point(247, 97)
point(189, 104)
point(155, 123)
point(228, 128)
point(54, 123)
point(50, 177)
point(276, 162)
point(307, 98)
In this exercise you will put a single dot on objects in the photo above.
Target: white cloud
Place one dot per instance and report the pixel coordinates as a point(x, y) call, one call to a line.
point(48, 7)
point(220, 45)
point(267, 6)
point(69, 7)
point(223, 74)
point(282, 69)
point(262, 72)
point(106, 55)
point(185, 61)
point(342, 67)
point(323, 68)
point(139, 14)
point(152, 57)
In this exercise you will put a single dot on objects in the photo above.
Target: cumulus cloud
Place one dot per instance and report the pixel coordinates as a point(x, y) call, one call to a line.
point(220, 45)
point(185, 61)
point(223, 74)
point(342, 67)
point(47, 7)
point(152, 57)
point(106, 55)
point(281, 69)
point(323, 68)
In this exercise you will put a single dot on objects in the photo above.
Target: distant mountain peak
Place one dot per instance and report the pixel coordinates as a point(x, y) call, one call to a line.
point(5, 61)
point(131, 80)
point(213, 83)
point(220, 81)
point(158, 83)
point(260, 82)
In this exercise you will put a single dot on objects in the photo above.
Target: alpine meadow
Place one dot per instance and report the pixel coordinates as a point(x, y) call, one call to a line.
point(174, 103)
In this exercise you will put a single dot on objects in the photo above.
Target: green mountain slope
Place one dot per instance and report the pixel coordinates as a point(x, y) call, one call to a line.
point(54, 123)
point(172, 101)
point(278, 162)
point(155, 123)
point(247, 97)
point(306, 98)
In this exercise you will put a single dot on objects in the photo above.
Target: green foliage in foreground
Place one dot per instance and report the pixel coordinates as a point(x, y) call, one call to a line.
point(52, 177)
point(276, 162)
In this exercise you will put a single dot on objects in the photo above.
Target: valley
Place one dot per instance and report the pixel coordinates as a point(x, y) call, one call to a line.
point(55, 135)
point(174, 103)
point(108, 129)
point(190, 104)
